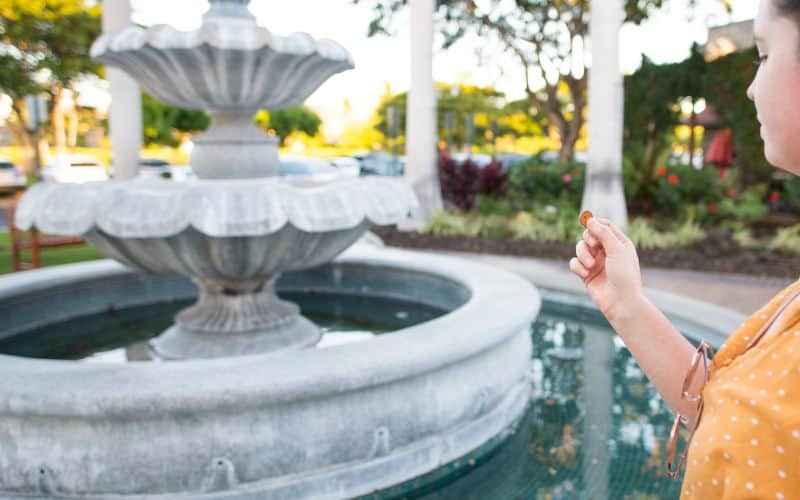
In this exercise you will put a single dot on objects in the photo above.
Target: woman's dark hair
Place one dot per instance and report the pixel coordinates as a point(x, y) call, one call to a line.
point(789, 8)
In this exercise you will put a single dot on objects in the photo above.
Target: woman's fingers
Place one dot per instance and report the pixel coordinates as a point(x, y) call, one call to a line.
point(591, 241)
point(584, 254)
point(609, 241)
point(614, 229)
point(577, 268)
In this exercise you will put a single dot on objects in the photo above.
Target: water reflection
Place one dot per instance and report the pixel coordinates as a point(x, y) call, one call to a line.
point(594, 430)
point(121, 336)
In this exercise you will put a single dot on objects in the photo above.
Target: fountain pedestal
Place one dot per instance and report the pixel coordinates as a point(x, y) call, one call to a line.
point(232, 319)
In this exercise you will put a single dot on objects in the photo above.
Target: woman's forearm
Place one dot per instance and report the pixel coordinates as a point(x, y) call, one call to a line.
point(660, 350)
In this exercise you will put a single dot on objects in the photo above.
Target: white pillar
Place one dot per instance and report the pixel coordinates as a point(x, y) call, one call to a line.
point(598, 421)
point(125, 113)
point(420, 170)
point(603, 193)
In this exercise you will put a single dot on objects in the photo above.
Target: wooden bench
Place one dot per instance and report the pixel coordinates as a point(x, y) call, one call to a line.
point(32, 241)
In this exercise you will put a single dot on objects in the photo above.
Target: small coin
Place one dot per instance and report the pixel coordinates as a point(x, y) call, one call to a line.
point(585, 216)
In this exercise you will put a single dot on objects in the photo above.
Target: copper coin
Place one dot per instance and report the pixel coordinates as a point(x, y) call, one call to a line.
point(585, 216)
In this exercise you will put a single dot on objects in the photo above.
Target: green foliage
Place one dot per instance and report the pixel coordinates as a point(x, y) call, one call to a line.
point(535, 182)
point(651, 112)
point(540, 33)
point(162, 122)
point(743, 237)
point(786, 239)
point(790, 193)
point(450, 223)
point(548, 223)
point(726, 81)
point(486, 104)
point(287, 121)
point(747, 206)
point(644, 235)
point(45, 37)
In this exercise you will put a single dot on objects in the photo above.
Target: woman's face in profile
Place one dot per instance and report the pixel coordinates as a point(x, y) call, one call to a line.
point(776, 87)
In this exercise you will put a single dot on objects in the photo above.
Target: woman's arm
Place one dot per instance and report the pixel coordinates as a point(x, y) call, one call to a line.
point(661, 351)
point(607, 262)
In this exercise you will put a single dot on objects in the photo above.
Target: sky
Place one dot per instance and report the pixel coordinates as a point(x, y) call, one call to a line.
point(384, 62)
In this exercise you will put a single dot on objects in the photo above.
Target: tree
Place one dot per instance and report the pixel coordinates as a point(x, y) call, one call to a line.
point(44, 47)
point(546, 36)
point(287, 121)
point(163, 124)
point(485, 104)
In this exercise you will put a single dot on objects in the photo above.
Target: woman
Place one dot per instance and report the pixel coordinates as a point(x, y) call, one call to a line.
point(745, 408)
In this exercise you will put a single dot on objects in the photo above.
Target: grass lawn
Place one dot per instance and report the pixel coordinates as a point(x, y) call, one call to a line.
point(50, 256)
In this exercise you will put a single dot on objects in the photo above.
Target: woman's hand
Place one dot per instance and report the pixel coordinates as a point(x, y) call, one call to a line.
point(607, 263)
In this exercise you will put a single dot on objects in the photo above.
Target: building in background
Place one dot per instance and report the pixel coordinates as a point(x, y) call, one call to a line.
point(729, 38)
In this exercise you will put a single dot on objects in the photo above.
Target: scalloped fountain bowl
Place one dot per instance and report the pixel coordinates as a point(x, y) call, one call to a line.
point(234, 238)
point(327, 422)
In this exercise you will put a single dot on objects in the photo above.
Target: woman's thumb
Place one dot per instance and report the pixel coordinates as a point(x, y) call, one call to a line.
point(607, 238)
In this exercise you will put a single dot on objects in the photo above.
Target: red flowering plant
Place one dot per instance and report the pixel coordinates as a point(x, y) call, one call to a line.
point(679, 189)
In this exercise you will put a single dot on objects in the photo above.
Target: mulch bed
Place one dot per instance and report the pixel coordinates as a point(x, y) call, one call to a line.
point(717, 253)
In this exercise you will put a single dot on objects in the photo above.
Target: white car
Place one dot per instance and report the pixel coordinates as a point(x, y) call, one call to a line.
point(75, 168)
point(155, 168)
point(349, 167)
point(11, 176)
point(312, 169)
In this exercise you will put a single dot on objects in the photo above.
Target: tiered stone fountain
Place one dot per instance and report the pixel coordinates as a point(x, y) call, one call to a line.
point(237, 228)
point(248, 406)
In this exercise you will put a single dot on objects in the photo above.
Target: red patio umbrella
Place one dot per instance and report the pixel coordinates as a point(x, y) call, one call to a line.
point(720, 151)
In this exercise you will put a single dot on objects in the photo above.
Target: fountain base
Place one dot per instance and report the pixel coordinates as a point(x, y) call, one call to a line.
point(234, 319)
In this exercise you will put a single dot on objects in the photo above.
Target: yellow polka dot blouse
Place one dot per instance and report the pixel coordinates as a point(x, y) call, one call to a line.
point(747, 444)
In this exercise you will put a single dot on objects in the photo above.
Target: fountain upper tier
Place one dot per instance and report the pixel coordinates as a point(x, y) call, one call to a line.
point(231, 67)
point(229, 64)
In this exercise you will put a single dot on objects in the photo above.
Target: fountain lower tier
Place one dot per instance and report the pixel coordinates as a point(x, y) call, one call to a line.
point(332, 422)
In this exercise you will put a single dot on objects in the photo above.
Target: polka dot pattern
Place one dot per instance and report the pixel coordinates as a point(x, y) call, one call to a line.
point(747, 444)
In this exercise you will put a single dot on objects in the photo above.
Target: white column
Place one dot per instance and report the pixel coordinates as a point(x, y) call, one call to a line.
point(125, 113)
point(598, 421)
point(420, 170)
point(603, 193)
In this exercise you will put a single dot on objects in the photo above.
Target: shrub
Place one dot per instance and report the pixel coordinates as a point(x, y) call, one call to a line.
point(535, 183)
point(462, 183)
point(786, 239)
point(448, 223)
point(645, 235)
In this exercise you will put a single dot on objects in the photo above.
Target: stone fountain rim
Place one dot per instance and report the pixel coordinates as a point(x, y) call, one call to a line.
point(165, 37)
point(138, 390)
point(206, 205)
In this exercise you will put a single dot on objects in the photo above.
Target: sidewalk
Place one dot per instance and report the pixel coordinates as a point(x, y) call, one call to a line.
point(738, 292)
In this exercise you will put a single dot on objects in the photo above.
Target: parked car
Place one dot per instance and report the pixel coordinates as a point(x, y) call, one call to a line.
point(551, 156)
point(317, 170)
point(381, 164)
point(349, 167)
point(511, 159)
point(155, 168)
point(11, 176)
point(314, 168)
point(75, 168)
point(480, 160)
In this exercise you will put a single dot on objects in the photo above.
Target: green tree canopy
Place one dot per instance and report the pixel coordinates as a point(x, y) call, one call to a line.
point(44, 47)
point(545, 35)
point(287, 121)
point(163, 123)
point(455, 105)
